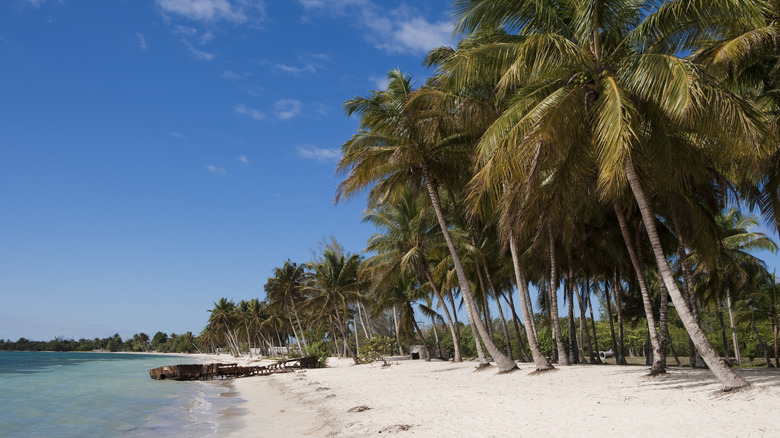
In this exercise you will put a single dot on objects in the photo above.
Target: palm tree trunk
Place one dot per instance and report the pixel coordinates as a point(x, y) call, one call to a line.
point(585, 332)
point(688, 290)
point(658, 367)
point(357, 341)
point(563, 358)
point(516, 324)
point(733, 327)
point(530, 308)
point(723, 338)
point(728, 377)
point(775, 333)
point(300, 327)
point(455, 320)
point(483, 298)
point(569, 290)
point(608, 300)
point(450, 324)
point(362, 323)
point(504, 363)
point(541, 362)
point(397, 331)
point(436, 336)
point(663, 325)
point(620, 357)
point(368, 321)
point(500, 310)
point(483, 362)
point(592, 322)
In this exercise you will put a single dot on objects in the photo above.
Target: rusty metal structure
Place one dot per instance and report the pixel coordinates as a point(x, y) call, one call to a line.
point(211, 371)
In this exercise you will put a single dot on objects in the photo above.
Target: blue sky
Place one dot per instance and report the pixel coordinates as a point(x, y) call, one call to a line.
point(158, 155)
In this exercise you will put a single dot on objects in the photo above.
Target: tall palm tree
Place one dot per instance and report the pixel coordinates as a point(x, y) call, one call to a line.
point(397, 146)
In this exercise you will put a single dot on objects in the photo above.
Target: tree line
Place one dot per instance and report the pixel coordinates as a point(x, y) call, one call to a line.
point(139, 342)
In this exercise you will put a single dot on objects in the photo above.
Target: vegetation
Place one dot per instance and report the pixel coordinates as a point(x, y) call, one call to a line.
point(139, 342)
point(595, 149)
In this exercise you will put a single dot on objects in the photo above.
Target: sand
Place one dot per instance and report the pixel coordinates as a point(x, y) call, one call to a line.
point(434, 399)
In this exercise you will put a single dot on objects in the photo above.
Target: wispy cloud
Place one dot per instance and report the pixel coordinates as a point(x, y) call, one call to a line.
point(287, 108)
point(246, 111)
point(217, 170)
point(314, 153)
point(230, 74)
point(200, 54)
point(306, 64)
point(142, 41)
point(243, 160)
point(236, 11)
point(34, 3)
point(399, 30)
point(176, 134)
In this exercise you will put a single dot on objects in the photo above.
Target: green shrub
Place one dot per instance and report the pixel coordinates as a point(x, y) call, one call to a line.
point(376, 348)
point(320, 349)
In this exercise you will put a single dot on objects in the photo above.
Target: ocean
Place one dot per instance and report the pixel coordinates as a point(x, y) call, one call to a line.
point(47, 394)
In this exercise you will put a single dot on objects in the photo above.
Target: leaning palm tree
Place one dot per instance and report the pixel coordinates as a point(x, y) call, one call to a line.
point(397, 146)
point(604, 77)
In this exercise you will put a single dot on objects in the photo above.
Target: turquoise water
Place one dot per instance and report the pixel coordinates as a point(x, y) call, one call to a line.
point(99, 394)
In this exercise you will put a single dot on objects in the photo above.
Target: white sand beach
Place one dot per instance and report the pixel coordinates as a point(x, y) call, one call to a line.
point(433, 399)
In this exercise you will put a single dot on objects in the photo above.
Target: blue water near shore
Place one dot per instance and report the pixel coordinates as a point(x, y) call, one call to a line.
point(100, 394)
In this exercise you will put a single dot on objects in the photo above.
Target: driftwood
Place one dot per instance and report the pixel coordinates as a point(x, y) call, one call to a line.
point(211, 371)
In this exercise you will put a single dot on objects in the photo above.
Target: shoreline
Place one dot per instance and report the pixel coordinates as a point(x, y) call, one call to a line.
point(445, 398)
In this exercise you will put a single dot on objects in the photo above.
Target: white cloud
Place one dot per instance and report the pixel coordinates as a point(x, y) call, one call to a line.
point(308, 64)
point(251, 112)
point(230, 74)
point(142, 41)
point(418, 35)
point(237, 11)
point(381, 82)
point(309, 68)
point(314, 153)
point(35, 3)
point(400, 30)
point(243, 160)
point(184, 30)
point(200, 54)
point(287, 108)
point(176, 134)
point(217, 170)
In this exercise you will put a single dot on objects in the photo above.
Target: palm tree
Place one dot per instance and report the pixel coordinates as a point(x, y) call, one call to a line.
point(223, 318)
point(286, 287)
point(410, 236)
point(729, 267)
point(604, 77)
point(334, 286)
point(397, 146)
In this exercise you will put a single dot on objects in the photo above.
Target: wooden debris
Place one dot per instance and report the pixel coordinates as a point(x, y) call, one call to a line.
point(211, 371)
